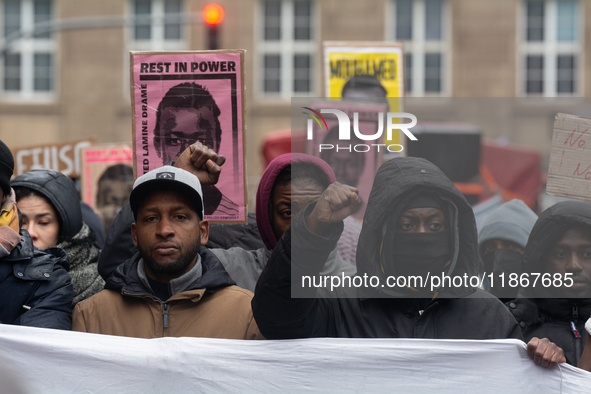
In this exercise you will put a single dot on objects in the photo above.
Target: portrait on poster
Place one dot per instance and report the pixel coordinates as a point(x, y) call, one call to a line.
point(107, 179)
point(354, 161)
point(368, 71)
point(180, 98)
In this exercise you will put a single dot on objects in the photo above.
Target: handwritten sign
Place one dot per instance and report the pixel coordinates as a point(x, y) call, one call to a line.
point(63, 157)
point(569, 172)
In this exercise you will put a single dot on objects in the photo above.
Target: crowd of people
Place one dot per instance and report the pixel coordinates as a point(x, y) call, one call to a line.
point(165, 271)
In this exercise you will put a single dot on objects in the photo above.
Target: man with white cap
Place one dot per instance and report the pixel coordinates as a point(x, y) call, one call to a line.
point(175, 286)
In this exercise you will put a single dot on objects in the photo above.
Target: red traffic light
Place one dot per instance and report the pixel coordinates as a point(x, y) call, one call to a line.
point(213, 14)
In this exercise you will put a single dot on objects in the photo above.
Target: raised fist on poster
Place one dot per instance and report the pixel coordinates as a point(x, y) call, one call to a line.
point(202, 162)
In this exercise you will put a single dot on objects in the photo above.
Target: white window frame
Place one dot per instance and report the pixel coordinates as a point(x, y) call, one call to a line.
point(286, 47)
point(156, 41)
point(27, 47)
point(418, 47)
point(549, 48)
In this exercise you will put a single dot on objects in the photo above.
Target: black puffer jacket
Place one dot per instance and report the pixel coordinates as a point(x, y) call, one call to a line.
point(553, 318)
point(454, 314)
point(35, 288)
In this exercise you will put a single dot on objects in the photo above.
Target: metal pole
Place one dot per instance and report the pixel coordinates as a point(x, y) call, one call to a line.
point(96, 22)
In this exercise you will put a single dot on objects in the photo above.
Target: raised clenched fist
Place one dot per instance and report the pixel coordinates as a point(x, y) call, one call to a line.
point(336, 203)
point(203, 162)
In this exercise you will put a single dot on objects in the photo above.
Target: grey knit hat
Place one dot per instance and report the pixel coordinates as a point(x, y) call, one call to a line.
point(511, 221)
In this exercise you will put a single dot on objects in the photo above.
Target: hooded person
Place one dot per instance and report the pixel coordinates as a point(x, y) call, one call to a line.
point(50, 206)
point(501, 243)
point(393, 241)
point(35, 288)
point(245, 266)
point(289, 183)
point(305, 177)
point(559, 244)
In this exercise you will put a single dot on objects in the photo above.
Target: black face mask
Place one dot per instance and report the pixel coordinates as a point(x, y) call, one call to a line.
point(503, 261)
point(418, 254)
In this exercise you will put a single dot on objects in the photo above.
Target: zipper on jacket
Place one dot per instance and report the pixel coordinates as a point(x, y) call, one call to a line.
point(575, 312)
point(165, 314)
point(164, 306)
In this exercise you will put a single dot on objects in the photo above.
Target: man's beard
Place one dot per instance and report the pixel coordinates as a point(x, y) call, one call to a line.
point(174, 269)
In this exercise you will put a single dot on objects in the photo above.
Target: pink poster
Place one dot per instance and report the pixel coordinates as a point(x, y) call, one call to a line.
point(355, 161)
point(107, 179)
point(179, 98)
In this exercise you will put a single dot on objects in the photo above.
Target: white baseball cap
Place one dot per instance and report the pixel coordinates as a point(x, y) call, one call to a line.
point(164, 178)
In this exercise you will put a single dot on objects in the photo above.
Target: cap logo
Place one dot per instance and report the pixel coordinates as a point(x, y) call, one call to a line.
point(165, 175)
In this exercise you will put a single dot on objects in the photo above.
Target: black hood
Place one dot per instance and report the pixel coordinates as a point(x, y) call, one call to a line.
point(61, 193)
point(213, 275)
point(549, 228)
point(396, 183)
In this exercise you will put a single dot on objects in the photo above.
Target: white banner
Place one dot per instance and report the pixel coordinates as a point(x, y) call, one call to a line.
point(61, 362)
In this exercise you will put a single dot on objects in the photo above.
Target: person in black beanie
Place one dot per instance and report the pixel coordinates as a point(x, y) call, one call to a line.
point(50, 206)
point(35, 288)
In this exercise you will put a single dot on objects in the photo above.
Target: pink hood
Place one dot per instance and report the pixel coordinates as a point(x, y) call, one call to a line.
point(266, 186)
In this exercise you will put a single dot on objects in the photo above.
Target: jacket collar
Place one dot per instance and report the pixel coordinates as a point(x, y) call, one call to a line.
point(564, 308)
point(30, 263)
point(176, 285)
point(213, 277)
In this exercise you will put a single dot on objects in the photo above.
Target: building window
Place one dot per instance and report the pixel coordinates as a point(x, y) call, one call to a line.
point(423, 27)
point(28, 64)
point(286, 48)
point(158, 25)
point(551, 48)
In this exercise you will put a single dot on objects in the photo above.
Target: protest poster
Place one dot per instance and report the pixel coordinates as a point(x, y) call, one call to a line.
point(107, 179)
point(355, 161)
point(569, 171)
point(63, 157)
point(179, 98)
point(372, 71)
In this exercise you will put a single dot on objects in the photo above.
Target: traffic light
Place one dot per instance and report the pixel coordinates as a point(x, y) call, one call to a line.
point(213, 15)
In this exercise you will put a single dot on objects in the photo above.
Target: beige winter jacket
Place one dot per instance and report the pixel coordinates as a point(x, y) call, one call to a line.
point(204, 304)
point(223, 314)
